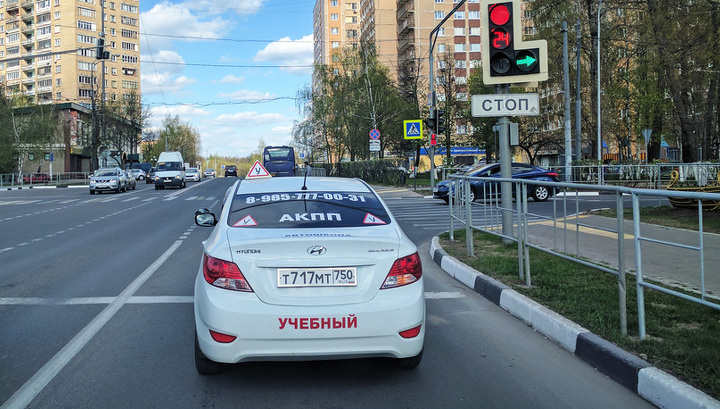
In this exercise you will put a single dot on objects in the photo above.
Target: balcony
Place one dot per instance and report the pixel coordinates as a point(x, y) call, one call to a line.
point(406, 26)
point(11, 5)
point(29, 67)
point(28, 28)
point(28, 42)
point(29, 80)
point(405, 43)
point(408, 8)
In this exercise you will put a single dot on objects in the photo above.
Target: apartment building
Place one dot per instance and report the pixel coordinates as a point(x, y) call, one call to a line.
point(48, 49)
point(335, 26)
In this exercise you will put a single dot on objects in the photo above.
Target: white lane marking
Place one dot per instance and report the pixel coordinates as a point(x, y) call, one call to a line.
point(164, 299)
point(169, 299)
point(442, 295)
point(23, 396)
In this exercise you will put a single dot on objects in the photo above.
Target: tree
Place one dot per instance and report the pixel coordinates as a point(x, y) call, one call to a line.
point(24, 124)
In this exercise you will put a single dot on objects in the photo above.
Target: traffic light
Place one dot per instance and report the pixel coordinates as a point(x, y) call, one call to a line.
point(506, 59)
point(100, 53)
point(440, 120)
point(430, 121)
point(433, 139)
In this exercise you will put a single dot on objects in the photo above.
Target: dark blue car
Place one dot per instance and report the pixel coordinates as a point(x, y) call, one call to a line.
point(480, 189)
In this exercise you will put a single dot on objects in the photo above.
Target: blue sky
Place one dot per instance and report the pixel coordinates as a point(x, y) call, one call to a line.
point(230, 69)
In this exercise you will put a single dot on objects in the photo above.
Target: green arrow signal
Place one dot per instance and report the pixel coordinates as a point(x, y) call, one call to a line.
point(527, 61)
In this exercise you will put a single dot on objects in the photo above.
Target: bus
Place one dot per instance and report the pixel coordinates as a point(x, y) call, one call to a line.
point(279, 160)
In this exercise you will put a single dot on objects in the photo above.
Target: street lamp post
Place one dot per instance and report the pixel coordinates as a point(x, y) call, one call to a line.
point(599, 136)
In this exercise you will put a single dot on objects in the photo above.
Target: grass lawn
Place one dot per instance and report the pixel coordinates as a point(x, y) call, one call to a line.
point(683, 337)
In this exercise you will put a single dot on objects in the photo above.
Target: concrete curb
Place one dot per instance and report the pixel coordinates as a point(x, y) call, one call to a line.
point(637, 375)
point(46, 187)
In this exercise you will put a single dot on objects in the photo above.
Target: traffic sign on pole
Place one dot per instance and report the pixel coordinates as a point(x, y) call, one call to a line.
point(412, 129)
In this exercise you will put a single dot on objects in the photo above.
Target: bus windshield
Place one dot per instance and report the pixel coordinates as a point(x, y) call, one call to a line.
point(279, 160)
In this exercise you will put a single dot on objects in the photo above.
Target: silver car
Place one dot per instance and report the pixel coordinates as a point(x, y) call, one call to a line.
point(107, 180)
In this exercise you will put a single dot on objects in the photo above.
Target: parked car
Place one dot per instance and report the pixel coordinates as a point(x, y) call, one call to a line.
point(139, 174)
point(108, 179)
point(131, 181)
point(36, 178)
point(479, 188)
point(192, 174)
point(316, 269)
point(210, 173)
point(150, 178)
point(231, 170)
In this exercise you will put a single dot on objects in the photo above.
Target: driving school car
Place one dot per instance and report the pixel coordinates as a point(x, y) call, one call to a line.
point(306, 268)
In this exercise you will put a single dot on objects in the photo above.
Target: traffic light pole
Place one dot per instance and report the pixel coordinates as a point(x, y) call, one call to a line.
point(433, 100)
point(505, 169)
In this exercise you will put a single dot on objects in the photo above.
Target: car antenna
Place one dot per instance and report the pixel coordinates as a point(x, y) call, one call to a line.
point(305, 180)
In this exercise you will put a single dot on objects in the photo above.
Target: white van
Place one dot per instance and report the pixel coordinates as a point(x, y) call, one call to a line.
point(170, 171)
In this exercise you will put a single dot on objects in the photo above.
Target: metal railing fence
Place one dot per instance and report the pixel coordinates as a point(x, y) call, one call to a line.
point(530, 230)
point(652, 176)
point(10, 180)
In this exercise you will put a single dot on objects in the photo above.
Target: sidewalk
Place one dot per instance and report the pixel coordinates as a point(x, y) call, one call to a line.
point(667, 264)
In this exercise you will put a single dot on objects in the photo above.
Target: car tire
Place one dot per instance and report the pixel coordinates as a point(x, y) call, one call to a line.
point(473, 194)
point(411, 362)
point(157, 187)
point(92, 192)
point(118, 190)
point(541, 193)
point(204, 365)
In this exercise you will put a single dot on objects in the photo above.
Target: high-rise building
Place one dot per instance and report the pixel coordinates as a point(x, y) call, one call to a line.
point(335, 26)
point(48, 49)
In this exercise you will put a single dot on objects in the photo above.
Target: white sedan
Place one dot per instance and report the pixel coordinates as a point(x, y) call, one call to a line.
point(301, 269)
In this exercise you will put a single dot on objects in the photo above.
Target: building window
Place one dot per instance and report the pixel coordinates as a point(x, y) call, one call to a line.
point(439, 15)
point(475, 47)
point(459, 15)
point(441, 32)
point(351, 20)
point(58, 95)
point(58, 82)
point(335, 44)
point(461, 64)
point(461, 80)
point(474, 15)
point(82, 11)
point(441, 48)
point(333, 3)
point(459, 48)
point(459, 31)
point(334, 30)
point(86, 25)
point(57, 42)
point(439, 1)
point(334, 17)
point(85, 93)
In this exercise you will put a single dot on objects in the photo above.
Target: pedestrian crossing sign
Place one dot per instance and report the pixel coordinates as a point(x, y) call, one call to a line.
point(413, 129)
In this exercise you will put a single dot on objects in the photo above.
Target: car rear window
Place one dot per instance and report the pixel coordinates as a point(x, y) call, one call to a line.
point(287, 210)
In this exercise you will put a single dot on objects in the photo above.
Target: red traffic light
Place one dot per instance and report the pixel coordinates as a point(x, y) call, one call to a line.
point(499, 14)
point(433, 139)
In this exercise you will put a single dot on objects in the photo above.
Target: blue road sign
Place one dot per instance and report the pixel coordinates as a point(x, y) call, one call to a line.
point(412, 129)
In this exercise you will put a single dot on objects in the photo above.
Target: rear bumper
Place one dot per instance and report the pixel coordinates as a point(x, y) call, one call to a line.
point(282, 332)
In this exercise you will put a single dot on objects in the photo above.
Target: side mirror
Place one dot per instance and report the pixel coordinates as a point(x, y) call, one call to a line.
point(204, 218)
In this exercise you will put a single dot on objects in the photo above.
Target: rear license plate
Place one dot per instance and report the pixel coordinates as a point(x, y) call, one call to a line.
point(317, 277)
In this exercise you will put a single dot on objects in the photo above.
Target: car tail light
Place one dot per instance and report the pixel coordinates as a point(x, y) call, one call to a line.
point(224, 274)
point(404, 271)
point(554, 174)
point(222, 338)
point(411, 333)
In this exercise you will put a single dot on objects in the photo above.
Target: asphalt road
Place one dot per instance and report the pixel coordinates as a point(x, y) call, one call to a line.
point(96, 311)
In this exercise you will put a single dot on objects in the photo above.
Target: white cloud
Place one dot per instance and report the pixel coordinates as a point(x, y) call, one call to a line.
point(246, 95)
point(157, 83)
point(295, 56)
point(250, 118)
point(232, 79)
point(166, 22)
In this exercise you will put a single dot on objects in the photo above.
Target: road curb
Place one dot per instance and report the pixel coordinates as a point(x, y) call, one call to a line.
point(637, 375)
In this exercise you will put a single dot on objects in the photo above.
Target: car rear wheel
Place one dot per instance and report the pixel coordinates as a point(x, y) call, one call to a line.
point(473, 196)
point(203, 365)
point(541, 193)
point(411, 362)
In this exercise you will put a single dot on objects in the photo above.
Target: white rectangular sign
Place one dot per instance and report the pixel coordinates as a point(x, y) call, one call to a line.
point(374, 145)
point(505, 105)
